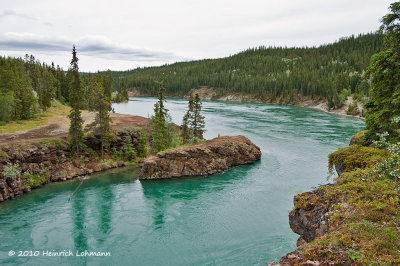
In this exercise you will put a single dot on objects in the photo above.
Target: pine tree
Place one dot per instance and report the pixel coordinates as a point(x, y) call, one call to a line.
point(33, 71)
point(187, 120)
point(108, 81)
point(142, 144)
point(159, 124)
point(60, 75)
point(129, 150)
point(47, 89)
point(75, 99)
point(161, 99)
point(101, 125)
point(66, 85)
point(198, 123)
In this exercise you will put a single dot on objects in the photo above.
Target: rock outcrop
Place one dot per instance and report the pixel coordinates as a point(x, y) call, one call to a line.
point(314, 212)
point(49, 160)
point(210, 157)
point(309, 218)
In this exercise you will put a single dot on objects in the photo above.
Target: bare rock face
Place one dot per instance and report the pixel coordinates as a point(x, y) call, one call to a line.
point(309, 218)
point(207, 158)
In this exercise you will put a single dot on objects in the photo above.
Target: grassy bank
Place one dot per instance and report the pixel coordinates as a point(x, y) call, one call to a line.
point(56, 110)
point(363, 208)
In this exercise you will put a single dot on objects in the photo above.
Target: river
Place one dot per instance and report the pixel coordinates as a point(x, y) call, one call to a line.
point(239, 217)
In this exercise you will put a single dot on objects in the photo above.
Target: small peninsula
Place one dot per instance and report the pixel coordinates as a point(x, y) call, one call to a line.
point(210, 157)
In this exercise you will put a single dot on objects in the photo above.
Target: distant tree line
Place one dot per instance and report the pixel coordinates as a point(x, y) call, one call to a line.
point(330, 71)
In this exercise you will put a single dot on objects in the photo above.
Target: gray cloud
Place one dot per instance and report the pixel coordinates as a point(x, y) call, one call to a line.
point(12, 13)
point(113, 36)
point(11, 16)
point(101, 46)
point(98, 46)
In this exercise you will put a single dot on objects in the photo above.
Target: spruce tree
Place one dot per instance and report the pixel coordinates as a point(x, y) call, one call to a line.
point(159, 123)
point(47, 89)
point(102, 122)
point(108, 81)
point(161, 99)
point(142, 144)
point(198, 123)
point(187, 120)
point(75, 99)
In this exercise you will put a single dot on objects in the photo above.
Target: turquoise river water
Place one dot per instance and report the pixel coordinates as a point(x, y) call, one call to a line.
point(239, 217)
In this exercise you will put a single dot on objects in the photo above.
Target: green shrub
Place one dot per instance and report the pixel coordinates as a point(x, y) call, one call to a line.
point(302, 201)
point(11, 171)
point(107, 164)
point(117, 154)
point(130, 130)
point(35, 180)
point(356, 156)
point(127, 153)
point(382, 142)
point(390, 168)
point(341, 98)
point(353, 108)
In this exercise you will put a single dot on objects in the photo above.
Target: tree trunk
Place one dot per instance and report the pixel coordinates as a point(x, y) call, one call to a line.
point(102, 151)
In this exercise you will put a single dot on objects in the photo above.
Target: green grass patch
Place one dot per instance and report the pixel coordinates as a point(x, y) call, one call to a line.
point(57, 109)
point(57, 142)
point(22, 125)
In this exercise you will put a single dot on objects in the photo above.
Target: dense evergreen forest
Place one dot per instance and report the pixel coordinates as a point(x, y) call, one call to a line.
point(27, 87)
point(330, 71)
point(276, 74)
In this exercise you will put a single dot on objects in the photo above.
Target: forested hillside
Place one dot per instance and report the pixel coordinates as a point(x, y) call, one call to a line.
point(276, 74)
point(272, 73)
point(28, 86)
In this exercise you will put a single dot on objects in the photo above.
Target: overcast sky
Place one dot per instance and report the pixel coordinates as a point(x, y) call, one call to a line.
point(121, 35)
